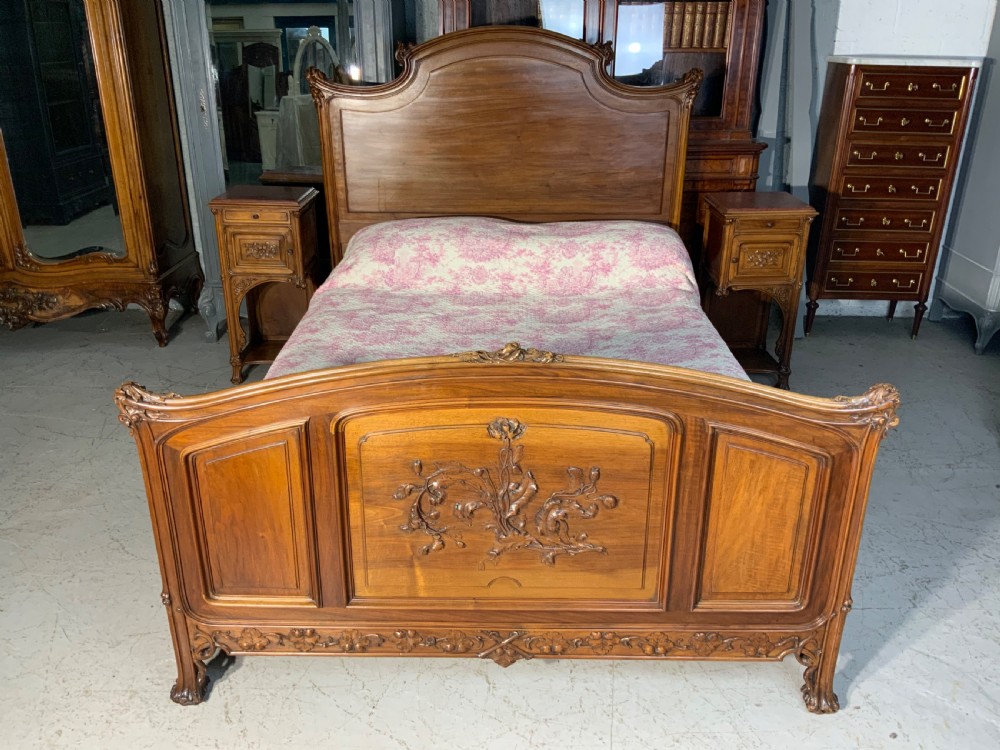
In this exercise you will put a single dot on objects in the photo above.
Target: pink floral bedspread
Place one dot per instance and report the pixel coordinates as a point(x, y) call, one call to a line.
point(422, 287)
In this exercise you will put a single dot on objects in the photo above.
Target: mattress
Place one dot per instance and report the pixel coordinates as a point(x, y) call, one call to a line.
point(423, 287)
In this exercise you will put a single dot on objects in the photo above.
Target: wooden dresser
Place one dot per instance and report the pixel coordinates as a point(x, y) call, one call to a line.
point(888, 146)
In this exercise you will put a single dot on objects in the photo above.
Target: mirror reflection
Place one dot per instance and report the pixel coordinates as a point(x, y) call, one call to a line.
point(57, 151)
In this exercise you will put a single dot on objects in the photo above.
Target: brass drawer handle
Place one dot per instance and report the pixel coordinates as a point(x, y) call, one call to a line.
point(892, 188)
point(848, 255)
point(918, 191)
point(898, 155)
point(912, 86)
point(931, 124)
point(902, 251)
point(855, 190)
point(833, 280)
point(864, 121)
point(935, 160)
point(939, 87)
point(874, 283)
point(910, 223)
point(886, 221)
point(904, 121)
point(865, 158)
point(849, 224)
point(879, 253)
point(871, 86)
point(908, 286)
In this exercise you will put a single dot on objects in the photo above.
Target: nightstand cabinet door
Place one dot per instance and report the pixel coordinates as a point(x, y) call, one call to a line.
point(759, 260)
point(887, 150)
point(262, 251)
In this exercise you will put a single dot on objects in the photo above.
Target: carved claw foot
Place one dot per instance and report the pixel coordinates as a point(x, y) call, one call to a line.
point(820, 701)
point(190, 695)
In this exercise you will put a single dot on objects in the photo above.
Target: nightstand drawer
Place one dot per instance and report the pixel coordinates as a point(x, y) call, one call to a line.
point(920, 121)
point(886, 220)
point(250, 216)
point(851, 251)
point(756, 260)
point(893, 188)
point(931, 156)
point(912, 85)
point(768, 225)
point(257, 252)
point(877, 284)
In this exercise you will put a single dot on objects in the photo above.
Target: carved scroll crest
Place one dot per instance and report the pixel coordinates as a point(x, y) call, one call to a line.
point(512, 352)
point(134, 402)
point(503, 493)
point(17, 305)
point(883, 398)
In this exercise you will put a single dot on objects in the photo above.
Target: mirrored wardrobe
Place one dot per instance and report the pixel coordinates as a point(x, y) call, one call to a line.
point(93, 210)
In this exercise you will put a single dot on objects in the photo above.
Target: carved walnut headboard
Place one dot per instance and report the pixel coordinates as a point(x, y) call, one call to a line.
point(517, 123)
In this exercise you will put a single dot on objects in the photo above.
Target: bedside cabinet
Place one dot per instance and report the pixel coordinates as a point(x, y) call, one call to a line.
point(757, 241)
point(267, 248)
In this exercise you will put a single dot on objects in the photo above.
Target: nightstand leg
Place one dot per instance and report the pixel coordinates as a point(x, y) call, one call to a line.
point(918, 315)
point(783, 347)
point(892, 311)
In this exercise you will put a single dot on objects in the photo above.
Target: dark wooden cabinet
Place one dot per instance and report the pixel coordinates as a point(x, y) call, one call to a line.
point(50, 107)
point(887, 152)
point(158, 260)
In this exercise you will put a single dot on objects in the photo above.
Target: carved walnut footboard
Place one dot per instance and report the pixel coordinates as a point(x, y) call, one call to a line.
point(508, 505)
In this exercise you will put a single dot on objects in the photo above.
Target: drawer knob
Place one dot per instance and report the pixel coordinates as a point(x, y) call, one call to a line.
point(770, 224)
point(918, 191)
point(939, 87)
point(892, 188)
point(902, 251)
point(913, 225)
point(886, 221)
point(931, 124)
point(853, 189)
point(879, 253)
point(909, 285)
point(903, 122)
point(898, 155)
point(874, 283)
point(912, 86)
point(255, 216)
point(833, 280)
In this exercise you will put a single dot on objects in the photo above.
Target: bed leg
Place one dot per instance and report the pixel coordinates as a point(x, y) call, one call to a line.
point(819, 657)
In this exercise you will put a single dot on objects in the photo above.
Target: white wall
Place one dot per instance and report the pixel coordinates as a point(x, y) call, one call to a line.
point(262, 16)
point(914, 27)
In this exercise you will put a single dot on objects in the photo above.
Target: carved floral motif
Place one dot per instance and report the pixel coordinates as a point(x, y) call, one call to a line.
point(262, 250)
point(884, 398)
point(18, 305)
point(133, 402)
point(762, 257)
point(506, 648)
point(504, 493)
point(512, 352)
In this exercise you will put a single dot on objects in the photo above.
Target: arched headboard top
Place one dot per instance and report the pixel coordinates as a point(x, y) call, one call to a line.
point(511, 122)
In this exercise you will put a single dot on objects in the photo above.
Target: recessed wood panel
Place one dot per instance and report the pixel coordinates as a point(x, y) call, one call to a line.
point(513, 142)
point(468, 508)
point(251, 507)
point(762, 506)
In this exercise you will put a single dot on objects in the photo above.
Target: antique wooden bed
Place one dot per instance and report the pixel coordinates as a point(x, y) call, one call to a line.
point(511, 503)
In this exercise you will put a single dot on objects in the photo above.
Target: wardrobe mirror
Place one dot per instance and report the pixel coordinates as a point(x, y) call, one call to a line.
point(57, 150)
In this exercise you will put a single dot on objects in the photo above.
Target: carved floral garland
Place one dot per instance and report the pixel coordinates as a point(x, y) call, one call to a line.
point(504, 492)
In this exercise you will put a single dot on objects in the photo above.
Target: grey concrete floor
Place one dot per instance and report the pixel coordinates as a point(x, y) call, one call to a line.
point(85, 656)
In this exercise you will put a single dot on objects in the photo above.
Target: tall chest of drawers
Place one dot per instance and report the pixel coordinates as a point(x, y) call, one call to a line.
point(887, 150)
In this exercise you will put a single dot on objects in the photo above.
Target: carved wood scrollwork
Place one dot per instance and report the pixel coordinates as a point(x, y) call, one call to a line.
point(262, 250)
point(504, 492)
point(512, 352)
point(506, 648)
point(18, 305)
point(133, 401)
point(884, 398)
point(763, 257)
